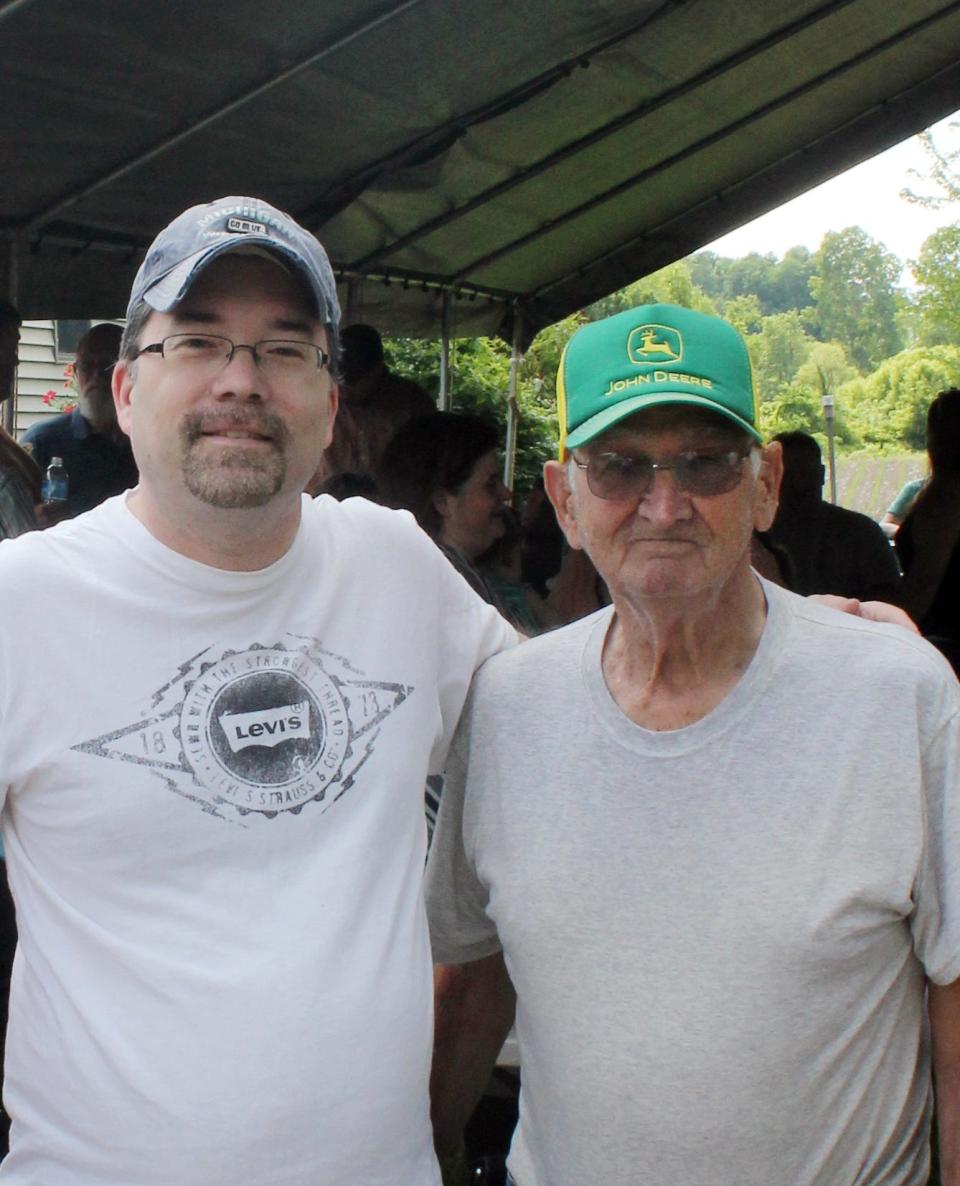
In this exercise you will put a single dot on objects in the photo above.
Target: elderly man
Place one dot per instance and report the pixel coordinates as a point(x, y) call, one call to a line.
point(711, 832)
point(95, 453)
point(213, 770)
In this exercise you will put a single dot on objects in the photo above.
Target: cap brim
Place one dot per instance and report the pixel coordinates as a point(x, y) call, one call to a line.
point(586, 432)
point(170, 289)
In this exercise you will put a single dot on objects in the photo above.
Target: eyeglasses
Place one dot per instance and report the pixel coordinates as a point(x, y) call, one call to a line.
point(208, 354)
point(621, 477)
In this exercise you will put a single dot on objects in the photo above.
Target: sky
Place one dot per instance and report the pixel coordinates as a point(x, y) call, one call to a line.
point(867, 195)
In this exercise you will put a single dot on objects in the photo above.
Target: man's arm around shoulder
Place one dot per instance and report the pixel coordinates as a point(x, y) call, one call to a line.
point(474, 1009)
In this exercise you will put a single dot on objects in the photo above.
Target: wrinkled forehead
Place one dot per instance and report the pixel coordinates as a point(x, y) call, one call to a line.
point(643, 429)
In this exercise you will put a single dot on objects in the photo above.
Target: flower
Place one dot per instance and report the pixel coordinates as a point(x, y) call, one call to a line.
point(49, 398)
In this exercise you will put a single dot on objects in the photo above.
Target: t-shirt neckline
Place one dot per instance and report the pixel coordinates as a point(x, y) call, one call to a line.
point(726, 715)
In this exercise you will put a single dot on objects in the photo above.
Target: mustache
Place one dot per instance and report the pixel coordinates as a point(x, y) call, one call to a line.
point(262, 423)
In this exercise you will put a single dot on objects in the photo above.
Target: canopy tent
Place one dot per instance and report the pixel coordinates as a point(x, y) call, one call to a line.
point(502, 164)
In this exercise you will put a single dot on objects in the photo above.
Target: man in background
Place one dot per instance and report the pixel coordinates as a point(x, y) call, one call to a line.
point(95, 452)
point(19, 474)
point(831, 549)
point(374, 403)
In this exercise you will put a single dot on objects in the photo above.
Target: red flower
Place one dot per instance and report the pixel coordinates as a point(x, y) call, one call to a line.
point(49, 398)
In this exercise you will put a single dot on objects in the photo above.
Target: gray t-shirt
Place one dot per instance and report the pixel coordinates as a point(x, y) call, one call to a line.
point(718, 934)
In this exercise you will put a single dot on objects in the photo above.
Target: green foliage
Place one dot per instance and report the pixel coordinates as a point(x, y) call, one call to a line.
point(825, 368)
point(777, 285)
point(791, 281)
point(855, 291)
point(673, 285)
point(848, 344)
point(937, 272)
point(480, 383)
point(888, 408)
point(745, 313)
point(777, 352)
point(796, 408)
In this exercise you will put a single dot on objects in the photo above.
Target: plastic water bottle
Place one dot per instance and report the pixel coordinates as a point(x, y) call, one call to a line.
point(56, 484)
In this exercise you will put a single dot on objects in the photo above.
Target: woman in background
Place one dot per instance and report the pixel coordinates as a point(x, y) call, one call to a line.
point(928, 542)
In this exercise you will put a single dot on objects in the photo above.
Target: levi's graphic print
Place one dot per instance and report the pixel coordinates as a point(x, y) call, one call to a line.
point(267, 729)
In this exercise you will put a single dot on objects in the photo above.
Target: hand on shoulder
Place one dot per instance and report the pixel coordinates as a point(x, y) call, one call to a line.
point(872, 611)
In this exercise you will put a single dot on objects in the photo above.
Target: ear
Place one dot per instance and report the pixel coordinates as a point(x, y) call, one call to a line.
point(333, 404)
point(557, 486)
point(122, 384)
point(768, 485)
point(442, 501)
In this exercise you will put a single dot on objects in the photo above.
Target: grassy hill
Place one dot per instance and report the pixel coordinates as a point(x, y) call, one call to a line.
point(868, 483)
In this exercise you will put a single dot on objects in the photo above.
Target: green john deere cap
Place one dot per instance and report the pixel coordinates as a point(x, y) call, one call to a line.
point(645, 358)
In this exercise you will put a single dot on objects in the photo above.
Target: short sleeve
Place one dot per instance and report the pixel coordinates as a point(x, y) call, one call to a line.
point(471, 632)
point(904, 500)
point(460, 929)
point(935, 923)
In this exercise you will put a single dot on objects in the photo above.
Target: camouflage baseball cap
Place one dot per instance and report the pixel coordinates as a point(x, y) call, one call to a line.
point(203, 233)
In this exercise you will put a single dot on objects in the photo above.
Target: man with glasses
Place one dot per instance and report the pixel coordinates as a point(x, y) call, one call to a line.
point(710, 834)
point(213, 769)
point(88, 440)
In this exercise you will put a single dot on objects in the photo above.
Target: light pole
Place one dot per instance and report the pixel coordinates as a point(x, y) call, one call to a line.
point(829, 410)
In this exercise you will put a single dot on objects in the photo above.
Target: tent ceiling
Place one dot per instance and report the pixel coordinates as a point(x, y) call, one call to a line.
point(530, 156)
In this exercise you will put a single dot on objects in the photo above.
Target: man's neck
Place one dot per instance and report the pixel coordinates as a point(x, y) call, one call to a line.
point(243, 540)
point(668, 664)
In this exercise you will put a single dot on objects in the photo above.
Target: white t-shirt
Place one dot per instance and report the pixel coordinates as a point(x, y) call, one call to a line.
point(718, 934)
point(215, 836)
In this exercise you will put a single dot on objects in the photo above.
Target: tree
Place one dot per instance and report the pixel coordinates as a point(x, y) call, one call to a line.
point(826, 368)
point(937, 272)
point(745, 313)
point(672, 285)
point(708, 271)
point(856, 295)
point(888, 409)
point(480, 382)
point(790, 286)
point(944, 173)
point(777, 352)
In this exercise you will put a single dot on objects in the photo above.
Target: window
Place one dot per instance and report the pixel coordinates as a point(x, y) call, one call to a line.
point(67, 334)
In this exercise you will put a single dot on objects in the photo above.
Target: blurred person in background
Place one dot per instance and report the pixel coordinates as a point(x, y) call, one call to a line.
point(19, 474)
point(374, 403)
point(928, 542)
point(445, 469)
point(95, 452)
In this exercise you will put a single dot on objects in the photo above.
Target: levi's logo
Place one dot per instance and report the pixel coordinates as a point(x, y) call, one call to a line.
point(243, 226)
point(654, 343)
point(267, 726)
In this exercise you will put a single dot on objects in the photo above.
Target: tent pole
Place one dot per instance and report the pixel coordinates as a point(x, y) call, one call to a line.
point(9, 406)
point(353, 300)
point(513, 408)
point(443, 395)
